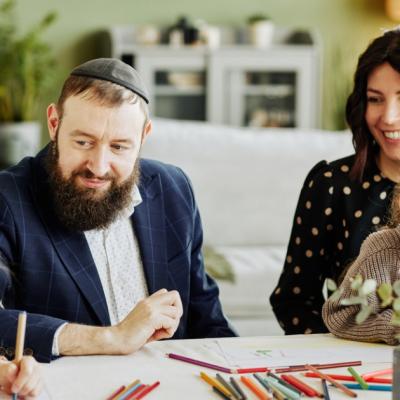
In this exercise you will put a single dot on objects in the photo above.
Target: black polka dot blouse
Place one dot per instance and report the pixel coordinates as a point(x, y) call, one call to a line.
point(333, 217)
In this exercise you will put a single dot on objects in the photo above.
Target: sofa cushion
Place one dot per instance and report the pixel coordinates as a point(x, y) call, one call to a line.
point(246, 180)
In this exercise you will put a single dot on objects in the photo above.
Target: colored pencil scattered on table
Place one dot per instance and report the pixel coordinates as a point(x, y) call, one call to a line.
point(358, 378)
point(381, 388)
point(213, 382)
point(374, 374)
point(147, 390)
point(325, 390)
point(227, 386)
point(115, 393)
point(284, 382)
point(254, 388)
point(221, 393)
point(301, 386)
point(303, 367)
point(350, 378)
point(340, 386)
point(237, 388)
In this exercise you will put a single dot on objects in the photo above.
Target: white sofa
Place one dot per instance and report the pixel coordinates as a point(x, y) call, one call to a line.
point(247, 183)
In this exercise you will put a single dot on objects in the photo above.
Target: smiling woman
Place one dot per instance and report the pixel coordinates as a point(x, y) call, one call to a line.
point(343, 201)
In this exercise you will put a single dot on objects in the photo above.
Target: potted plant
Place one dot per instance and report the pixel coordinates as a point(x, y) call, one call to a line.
point(389, 296)
point(26, 66)
point(261, 30)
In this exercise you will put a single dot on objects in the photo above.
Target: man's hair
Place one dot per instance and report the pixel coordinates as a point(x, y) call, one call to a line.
point(102, 92)
point(385, 48)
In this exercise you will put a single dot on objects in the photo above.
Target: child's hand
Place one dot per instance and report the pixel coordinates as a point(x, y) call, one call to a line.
point(24, 379)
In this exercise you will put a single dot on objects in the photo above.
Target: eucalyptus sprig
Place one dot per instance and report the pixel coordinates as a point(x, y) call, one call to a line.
point(389, 295)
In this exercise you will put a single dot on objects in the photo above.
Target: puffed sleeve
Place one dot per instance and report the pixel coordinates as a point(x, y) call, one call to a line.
point(297, 300)
point(382, 266)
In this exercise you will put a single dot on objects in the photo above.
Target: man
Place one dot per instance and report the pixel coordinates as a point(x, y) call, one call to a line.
point(103, 261)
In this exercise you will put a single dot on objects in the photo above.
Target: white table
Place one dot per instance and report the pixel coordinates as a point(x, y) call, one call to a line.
point(95, 377)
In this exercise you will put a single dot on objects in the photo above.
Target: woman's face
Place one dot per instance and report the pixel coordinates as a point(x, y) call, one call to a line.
point(383, 114)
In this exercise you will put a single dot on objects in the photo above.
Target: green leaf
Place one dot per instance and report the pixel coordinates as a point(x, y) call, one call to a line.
point(356, 282)
point(396, 305)
point(395, 319)
point(331, 285)
point(385, 293)
point(336, 295)
point(353, 300)
point(396, 288)
point(363, 314)
point(368, 287)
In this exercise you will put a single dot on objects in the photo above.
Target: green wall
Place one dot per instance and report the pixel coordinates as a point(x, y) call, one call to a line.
point(345, 28)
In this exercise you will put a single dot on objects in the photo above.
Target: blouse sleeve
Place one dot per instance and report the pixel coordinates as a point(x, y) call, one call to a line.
point(297, 300)
point(341, 320)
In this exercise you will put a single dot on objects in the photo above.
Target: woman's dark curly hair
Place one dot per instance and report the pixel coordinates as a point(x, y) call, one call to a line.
point(385, 48)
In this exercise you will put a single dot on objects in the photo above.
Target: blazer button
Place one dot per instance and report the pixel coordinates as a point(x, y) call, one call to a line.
point(28, 351)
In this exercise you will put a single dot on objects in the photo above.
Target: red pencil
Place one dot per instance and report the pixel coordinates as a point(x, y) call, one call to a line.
point(116, 393)
point(349, 378)
point(302, 386)
point(249, 370)
point(137, 391)
point(147, 390)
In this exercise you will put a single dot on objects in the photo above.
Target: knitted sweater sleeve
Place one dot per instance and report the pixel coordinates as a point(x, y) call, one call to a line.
point(378, 259)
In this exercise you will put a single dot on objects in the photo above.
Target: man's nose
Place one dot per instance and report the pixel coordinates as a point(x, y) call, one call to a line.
point(99, 163)
point(391, 112)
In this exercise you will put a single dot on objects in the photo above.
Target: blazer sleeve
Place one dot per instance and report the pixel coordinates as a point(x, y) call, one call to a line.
point(297, 300)
point(341, 320)
point(40, 329)
point(205, 317)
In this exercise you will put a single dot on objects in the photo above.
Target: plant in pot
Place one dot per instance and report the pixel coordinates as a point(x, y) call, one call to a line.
point(26, 67)
point(260, 29)
point(389, 295)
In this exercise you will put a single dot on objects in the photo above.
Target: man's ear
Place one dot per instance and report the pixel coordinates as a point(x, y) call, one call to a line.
point(53, 121)
point(147, 130)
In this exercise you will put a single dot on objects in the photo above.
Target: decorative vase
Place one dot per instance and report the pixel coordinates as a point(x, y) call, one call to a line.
point(261, 33)
point(18, 140)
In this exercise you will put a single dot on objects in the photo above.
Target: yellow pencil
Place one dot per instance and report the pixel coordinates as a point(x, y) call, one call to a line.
point(131, 385)
point(214, 383)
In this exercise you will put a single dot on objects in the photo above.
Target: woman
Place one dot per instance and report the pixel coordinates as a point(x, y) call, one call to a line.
point(379, 259)
point(343, 201)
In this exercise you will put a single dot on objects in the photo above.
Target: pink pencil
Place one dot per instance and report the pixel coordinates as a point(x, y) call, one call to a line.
point(374, 374)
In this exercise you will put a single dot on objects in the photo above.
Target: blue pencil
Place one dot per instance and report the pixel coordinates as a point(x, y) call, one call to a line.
point(382, 388)
point(325, 389)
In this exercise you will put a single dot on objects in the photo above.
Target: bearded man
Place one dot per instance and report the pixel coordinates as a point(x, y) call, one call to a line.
point(103, 248)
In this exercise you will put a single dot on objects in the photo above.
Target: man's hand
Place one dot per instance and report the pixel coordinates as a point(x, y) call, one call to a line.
point(24, 378)
point(154, 318)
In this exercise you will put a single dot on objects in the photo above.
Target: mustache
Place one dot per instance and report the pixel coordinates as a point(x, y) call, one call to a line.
point(86, 173)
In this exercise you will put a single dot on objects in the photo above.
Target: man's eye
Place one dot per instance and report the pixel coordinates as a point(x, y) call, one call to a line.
point(82, 143)
point(118, 147)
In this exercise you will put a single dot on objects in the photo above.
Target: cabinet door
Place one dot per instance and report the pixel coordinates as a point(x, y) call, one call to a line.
point(176, 81)
point(276, 87)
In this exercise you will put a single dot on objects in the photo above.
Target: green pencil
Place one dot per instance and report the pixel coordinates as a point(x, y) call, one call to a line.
point(358, 378)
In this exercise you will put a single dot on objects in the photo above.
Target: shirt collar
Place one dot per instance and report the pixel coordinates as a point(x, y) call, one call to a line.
point(136, 199)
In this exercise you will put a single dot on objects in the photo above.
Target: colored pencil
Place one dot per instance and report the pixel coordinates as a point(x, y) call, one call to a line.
point(302, 367)
point(116, 392)
point(325, 390)
point(147, 390)
point(358, 378)
point(237, 388)
point(135, 384)
point(249, 370)
point(343, 388)
point(301, 386)
point(284, 382)
point(213, 382)
point(19, 342)
point(283, 389)
point(254, 388)
point(374, 374)
point(220, 393)
point(382, 388)
point(227, 386)
point(135, 392)
point(350, 378)
point(198, 362)
point(264, 383)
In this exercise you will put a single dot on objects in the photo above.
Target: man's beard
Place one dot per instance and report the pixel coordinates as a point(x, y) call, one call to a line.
point(81, 209)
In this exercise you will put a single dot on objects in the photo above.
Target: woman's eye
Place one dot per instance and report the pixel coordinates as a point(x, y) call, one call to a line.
point(373, 99)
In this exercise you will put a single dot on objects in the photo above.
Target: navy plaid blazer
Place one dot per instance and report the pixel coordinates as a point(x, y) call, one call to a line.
point(54, 277)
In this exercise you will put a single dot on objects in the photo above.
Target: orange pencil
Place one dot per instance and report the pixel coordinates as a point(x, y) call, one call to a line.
point(343, 388)
point(254, 388)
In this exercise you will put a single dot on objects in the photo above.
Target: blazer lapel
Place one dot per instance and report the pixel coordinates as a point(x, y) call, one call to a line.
point(149, 225)
point(73, 251)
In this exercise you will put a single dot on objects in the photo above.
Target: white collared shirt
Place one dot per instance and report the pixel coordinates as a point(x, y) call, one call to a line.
point(116, 254)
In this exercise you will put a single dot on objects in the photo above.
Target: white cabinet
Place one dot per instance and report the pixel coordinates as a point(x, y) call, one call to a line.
point(236, 85)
